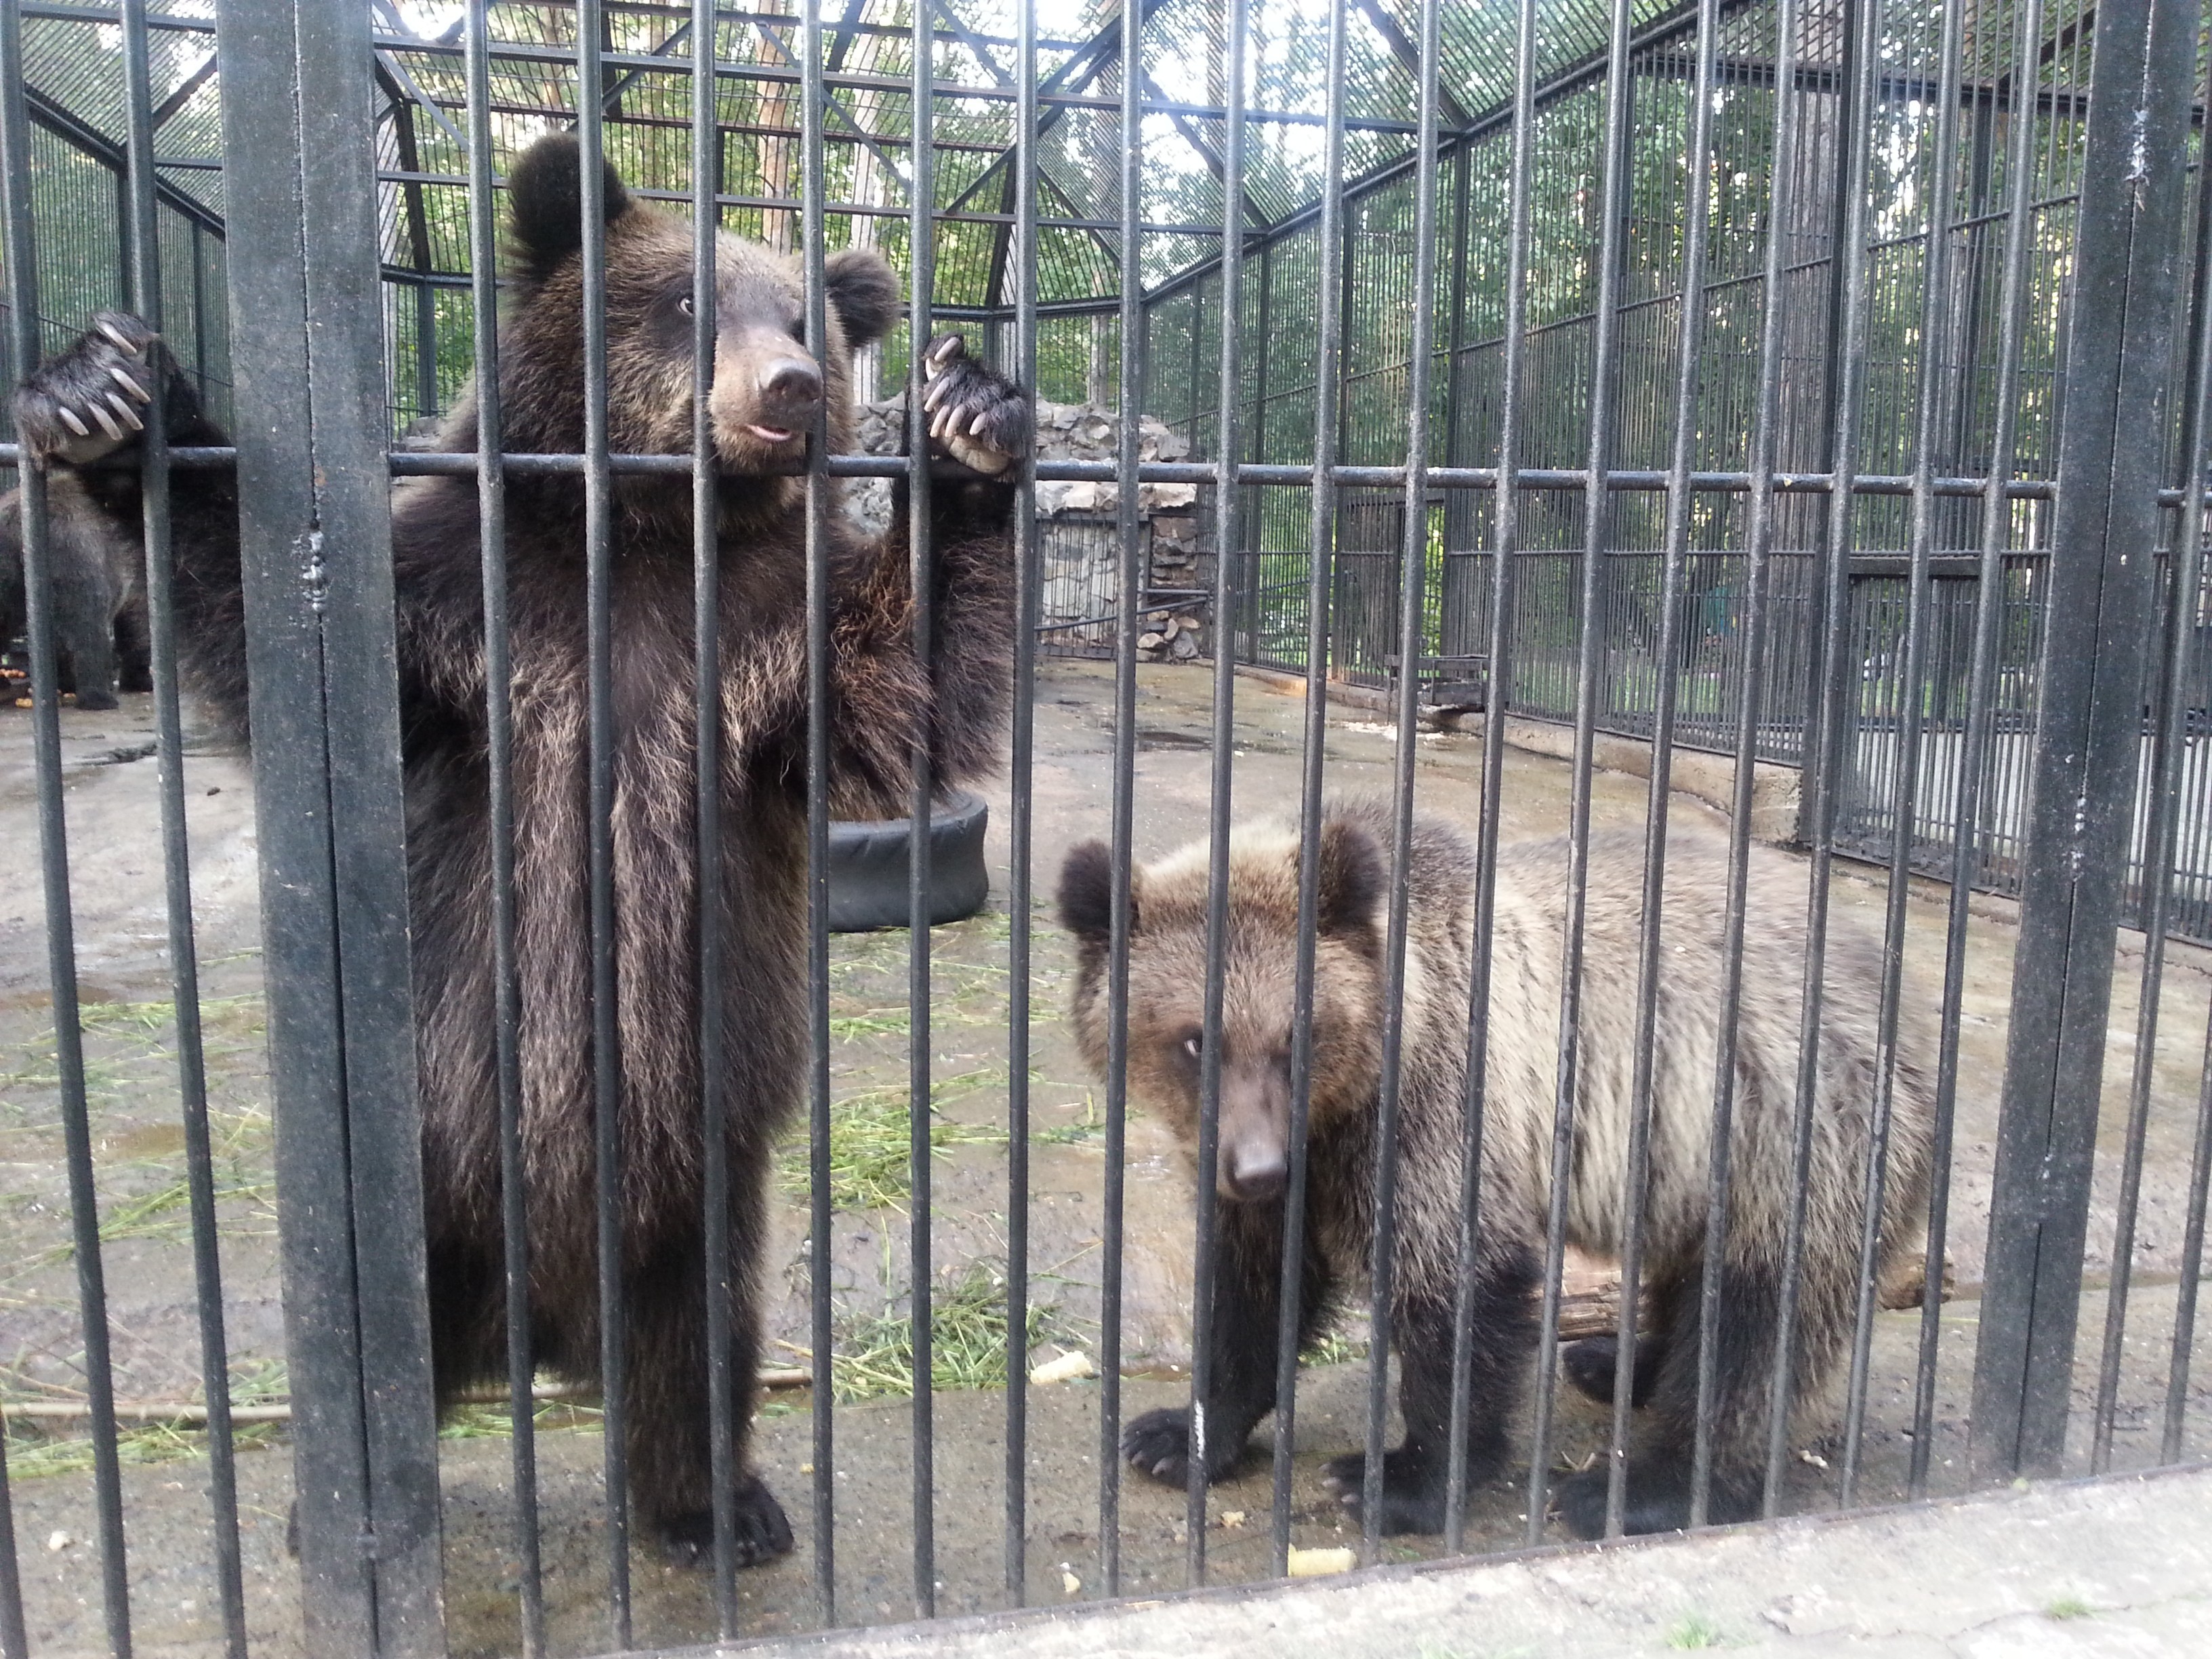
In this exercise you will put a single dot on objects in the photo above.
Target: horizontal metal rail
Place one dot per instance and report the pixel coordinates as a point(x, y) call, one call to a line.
point(443, 463)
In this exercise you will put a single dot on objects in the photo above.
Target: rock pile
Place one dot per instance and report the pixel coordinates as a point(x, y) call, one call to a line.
point(1178, 555)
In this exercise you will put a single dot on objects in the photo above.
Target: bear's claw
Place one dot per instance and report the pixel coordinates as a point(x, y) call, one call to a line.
point(1413, 1497)
point(977, 417)
point(1157, 1444)
point(80, 406)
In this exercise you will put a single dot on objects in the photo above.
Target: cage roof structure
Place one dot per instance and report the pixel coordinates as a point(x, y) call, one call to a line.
point(74, 76)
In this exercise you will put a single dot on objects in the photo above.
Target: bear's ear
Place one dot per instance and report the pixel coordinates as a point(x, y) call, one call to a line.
point(545, 200)
point(1086, 894)
point(1351, 878)
point(863, 291)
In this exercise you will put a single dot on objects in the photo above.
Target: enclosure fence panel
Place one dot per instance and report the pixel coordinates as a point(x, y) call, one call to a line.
point(1521, 690)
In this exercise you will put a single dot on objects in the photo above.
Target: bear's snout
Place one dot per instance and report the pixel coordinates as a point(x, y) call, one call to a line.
point(1253, 1162)
point(790, 393)
point(768, 395)
point(1253, 1171)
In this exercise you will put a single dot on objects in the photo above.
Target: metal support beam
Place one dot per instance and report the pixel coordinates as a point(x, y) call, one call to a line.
point(2089, 728)
point(1453, 113)
point(1255, 220)
point(74, 129)
point(315, 552)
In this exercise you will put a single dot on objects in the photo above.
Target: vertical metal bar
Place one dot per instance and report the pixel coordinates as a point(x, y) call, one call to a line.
point(2192, 1268)
point(1596, 531)
point(1021, 820)
point(425, 350)
point(1505, 549)
point(199, 309)
point(1454, 450)
point(598, 579)
point(277, 513)
point(1255, 527)
point(314, 507)
point(1128, 620)
point(722, 1385)
point(144, 287)
point(1413, 596)
point(348, 385)
point(821, 1220)
point(1759, 548)
point(1221, 785)
point(499, 733)
point(1329, 392)
point(1674, 553)
point(21, 254)
point(2170, 746)
point(1828, 622)
point(921, 231)
point(2087, 744)
point(15, 1639)
point(1981, 695)
point(1934, 332)
point(1823, 759)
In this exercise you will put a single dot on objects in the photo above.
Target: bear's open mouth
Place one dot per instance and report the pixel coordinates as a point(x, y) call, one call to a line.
point(772, 435)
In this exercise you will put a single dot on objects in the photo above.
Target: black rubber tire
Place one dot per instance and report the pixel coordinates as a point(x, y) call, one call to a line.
point(868, 866)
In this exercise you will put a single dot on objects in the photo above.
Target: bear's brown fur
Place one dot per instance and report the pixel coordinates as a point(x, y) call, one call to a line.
point(768, 389)
point(97, 575)
point(1167, 977)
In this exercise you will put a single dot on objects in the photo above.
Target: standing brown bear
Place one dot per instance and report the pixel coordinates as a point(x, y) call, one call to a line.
point(79, 412)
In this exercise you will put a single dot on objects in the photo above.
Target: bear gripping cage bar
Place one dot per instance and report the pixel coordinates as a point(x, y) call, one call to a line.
point(1581, 419)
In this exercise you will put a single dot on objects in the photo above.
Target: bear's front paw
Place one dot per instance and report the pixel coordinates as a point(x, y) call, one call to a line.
point(1158, 1443)
point(1412, 1489)
point(761, 1533)
point(977, 417)
point(85, 403)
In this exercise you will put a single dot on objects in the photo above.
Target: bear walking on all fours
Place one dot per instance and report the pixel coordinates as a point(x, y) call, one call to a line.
point(1167, 974)
point(768, 391)
point(97, 580)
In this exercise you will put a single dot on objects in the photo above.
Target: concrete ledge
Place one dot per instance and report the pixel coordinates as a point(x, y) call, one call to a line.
point(2119, 1566)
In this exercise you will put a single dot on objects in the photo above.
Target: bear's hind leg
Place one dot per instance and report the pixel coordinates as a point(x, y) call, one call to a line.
point(1660, 1459)
point(1246, 1305)
point(670, 1436)
point(1417, 1473)
point(134, 646)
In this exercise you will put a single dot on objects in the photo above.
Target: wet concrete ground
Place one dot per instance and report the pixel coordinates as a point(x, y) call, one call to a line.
point(130, 1049)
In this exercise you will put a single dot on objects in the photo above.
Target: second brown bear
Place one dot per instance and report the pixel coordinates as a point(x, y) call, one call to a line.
point(1167, 980)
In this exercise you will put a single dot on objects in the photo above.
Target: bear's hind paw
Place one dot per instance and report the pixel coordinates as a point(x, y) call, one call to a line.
point(762, 1532)
point(1413, 1495)
point(84, 404)
point(1658, 1498)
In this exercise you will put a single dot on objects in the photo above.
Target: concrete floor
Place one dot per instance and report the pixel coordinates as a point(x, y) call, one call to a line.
point(116, 876)
point(2115, 1569)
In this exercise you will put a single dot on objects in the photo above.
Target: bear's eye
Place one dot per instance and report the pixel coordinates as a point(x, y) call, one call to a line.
point(1193, 1046)
point(683, 304)
point(797, 330)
